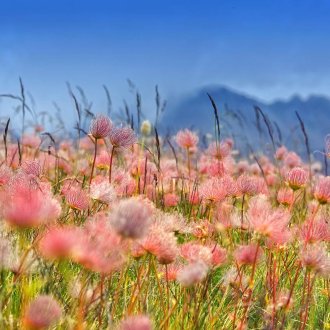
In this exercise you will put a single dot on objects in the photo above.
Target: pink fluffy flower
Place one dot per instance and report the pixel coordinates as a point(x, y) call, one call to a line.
point(101, 249)
point(77, 198)
point(316, 258)
point(213, 190)
point(296, 178)
point(186, 139)
point(248, 254)
point(100, 127)
point(285, 196)
point(291, 160)
point(322, 190)
point(202, 229)
point(194, 252)
point(247, 185)
point(172, 271)
point(281, 152)
point(131, 218)
point(138, 322)
point(28, 205)
point(170, 199)
point(102, 191)
point(219, 255)
point(314, 230)
point(122, 137)
point(161, 244)
point(32, 167)
point(223, 216)
point(265, 220)
point(102, 160)
point(95, 246)
point(42, 313)
point(192, 273)
point(60, 242)
point(219, 151)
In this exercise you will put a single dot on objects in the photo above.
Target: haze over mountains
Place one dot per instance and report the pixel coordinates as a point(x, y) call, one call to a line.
point(238, 118)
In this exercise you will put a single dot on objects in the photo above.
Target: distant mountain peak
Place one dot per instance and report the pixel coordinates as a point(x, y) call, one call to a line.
point(194, 110)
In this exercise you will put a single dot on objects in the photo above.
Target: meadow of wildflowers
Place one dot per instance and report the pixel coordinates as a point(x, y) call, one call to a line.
point(131, 230)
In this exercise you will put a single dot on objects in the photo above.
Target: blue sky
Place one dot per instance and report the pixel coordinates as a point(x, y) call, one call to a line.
point(269, 48)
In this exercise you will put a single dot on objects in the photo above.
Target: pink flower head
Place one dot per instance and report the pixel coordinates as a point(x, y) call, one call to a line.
point(247, 185)
point(292, 160)
point(248, 254)
point(202, 229)
point(242, 167)
point(26, 205)
point(267, 221)
point(285, 196)
point(322, 190)
point(219, 255)
point(172, 271)
point(77, 198)
point(186, 139)
point(193, 252)
point(161, 244)
point(101, 249)
point(281, 152)
point(171, 222)
point(102, 160)
point(131, 218)
point(193, 273)
point(102, 191)
point(122, 137)
point(138, 322)
point(223, 216)
point(171, 199)
point(32, 167)
point(297, 178)
point(314, 230)
point(42, 313)
point(213, 190)
point(100, 127)
point(60, 242)
point(316, 258)
point(219, 151)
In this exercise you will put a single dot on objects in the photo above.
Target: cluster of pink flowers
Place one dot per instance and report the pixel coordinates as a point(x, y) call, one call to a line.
point(117, 212)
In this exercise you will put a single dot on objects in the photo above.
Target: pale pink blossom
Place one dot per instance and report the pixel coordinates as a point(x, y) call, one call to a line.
point(100, 127)
point(186, 139)
point(161, 244)
point(265, 220)
point(122, 137)
point(131, 218)
point(248, 254)
point(192, 273)
point(285, 196)
point(42, 312)
point(296, 178)
point(315, 257)
point(137, 322)
point(322, 190)
point(102, 191)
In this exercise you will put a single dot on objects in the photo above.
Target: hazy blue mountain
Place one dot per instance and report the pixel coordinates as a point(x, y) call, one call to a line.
point(238, 117)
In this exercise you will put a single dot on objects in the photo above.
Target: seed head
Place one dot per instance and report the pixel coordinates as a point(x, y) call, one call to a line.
point(100, 127)
point(42, 312)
